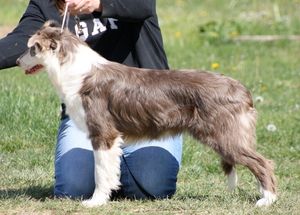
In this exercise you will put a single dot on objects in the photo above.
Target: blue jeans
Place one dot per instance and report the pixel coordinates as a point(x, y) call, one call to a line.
point(148, 169)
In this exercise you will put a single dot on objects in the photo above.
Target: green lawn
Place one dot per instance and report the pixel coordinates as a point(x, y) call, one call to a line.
point(197, 34)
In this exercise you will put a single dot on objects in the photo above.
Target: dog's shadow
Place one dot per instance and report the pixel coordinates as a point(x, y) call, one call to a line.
point(40, 193)
point(242, 195)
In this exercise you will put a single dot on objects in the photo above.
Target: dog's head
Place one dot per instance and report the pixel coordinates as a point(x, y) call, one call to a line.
point(49, 45)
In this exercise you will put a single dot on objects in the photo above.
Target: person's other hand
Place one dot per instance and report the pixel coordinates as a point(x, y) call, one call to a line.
point(83, 6)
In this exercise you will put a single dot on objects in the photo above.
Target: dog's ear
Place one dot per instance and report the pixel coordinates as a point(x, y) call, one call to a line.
point(53, 44)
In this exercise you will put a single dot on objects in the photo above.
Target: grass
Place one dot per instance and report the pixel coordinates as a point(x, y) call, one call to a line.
point(11, 11)
point(196, 35)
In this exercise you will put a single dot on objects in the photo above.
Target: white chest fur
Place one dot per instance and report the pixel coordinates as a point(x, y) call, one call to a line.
point(76, 112)
point(68, 81)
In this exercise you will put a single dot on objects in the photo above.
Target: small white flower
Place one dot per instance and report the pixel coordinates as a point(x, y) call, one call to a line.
point(271, 128)
point(259, 99)
point(297, 107)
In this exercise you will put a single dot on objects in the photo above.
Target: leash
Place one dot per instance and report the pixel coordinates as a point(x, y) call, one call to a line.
point(65, 22)
point(66, 17)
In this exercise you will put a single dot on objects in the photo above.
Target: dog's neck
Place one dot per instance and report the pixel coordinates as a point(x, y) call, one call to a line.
point(68, 77)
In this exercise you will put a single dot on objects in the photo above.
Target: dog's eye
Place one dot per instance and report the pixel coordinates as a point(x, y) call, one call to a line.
point(32, 51)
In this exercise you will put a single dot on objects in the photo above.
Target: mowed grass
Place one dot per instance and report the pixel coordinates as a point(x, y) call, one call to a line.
point(197, 34)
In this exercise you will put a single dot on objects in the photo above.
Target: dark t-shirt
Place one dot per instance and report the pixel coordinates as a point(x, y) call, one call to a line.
point(126, 31)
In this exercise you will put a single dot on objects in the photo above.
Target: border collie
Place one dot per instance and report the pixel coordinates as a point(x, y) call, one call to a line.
point(114, 103)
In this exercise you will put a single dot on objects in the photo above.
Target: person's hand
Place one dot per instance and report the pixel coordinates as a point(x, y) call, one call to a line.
point(83, 6)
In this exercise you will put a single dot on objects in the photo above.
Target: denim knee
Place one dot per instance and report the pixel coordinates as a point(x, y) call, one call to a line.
point(147, 172)
point(150, 172)
point(74, 174)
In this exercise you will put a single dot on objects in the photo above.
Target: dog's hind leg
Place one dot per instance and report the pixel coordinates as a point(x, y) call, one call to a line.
point(233, 138)
point(239, 153)
point(244, 153)
point(241, 150)
point(263, 171)
point(231, 174)
point(107, 173)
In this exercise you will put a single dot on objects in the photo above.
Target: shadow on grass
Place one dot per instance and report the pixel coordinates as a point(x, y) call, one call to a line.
point(242, 195)
point(34, 192)
point(196, 197)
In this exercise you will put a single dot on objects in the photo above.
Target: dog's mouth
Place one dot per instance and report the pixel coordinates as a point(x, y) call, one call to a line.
point(34, 69)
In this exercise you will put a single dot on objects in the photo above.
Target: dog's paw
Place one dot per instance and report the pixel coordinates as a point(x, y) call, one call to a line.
point(93, 202)
point(268, 199)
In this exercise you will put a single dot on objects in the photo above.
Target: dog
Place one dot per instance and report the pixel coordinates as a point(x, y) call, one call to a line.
point(114, 103)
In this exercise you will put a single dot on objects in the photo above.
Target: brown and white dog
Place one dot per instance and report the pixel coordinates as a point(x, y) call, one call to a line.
point(112, 102)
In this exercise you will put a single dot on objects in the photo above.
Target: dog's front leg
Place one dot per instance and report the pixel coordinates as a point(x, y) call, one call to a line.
point(107, 172)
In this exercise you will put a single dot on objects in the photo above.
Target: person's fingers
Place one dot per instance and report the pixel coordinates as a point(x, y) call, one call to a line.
point(83, 6)
point(72, 3)
point(75, 6)
point(80, 6)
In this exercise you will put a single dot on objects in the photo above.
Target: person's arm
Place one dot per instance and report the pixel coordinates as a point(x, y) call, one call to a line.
point(131, 10)
point(128, 9)
point(15, 43)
